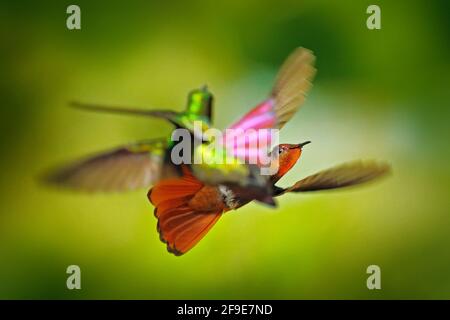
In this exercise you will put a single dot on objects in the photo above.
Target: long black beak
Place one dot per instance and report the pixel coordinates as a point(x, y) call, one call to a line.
point(300, 145)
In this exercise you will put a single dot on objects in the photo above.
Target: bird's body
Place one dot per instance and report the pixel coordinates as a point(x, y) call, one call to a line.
point(215, 198)
point(223, 197)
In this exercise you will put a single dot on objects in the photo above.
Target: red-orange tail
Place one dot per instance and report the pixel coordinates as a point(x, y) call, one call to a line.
point(179, 226)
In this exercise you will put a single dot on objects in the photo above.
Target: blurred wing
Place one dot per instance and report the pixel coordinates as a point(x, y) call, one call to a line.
point(291, 85)
point(344, 175)
point(168, 115)
point(180, 120)
point(131, 167)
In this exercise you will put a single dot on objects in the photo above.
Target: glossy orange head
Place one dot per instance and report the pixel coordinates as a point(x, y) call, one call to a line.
point(288, 155)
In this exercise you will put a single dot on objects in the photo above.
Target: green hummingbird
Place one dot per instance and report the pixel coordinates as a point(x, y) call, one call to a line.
point(142, 164)
point(135, 165)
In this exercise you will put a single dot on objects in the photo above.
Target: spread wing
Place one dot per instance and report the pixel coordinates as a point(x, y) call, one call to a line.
point(168, 115)
point(292, 83)
point(181, 226)
point(344, 175)
point(199, 107)
point(178, 119)
point(130, 167)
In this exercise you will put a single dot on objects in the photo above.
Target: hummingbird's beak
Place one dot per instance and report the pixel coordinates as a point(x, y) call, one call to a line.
point(300, 145)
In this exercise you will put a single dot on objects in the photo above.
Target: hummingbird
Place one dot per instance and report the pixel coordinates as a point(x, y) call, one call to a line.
point(135, 165)
point(189, 198)
point(141, 164)
point(144, 163)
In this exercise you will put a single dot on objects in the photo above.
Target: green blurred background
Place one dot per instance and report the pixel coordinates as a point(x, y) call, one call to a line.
point(380, 94)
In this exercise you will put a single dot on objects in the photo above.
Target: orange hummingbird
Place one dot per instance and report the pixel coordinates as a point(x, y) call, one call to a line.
point(186, 208)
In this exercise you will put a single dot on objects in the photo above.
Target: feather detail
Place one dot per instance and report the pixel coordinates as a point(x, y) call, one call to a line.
point(292, 84)
point(288, 93)
point(125, 168)
point(180, 225)
point(344, 175)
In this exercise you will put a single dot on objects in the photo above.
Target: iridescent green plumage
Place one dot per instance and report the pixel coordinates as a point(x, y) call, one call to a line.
point(288, 93)
point(215, 164)
point(150, 161)
point(200, 104)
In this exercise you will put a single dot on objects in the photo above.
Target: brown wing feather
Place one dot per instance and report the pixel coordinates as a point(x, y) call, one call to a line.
point(126, 168)
point(292, 83)
point(344, 175)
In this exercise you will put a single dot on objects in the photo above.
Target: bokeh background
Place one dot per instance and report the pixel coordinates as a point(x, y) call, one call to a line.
point(378, 94)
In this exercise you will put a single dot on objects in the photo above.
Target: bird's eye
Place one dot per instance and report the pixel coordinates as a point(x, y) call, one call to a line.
point(280, 150)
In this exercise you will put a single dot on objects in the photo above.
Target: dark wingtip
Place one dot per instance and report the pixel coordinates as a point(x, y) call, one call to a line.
point(74, 104)
point(174, 251)
point(269, 201)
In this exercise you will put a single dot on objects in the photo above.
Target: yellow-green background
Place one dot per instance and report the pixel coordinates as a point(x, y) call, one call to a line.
point(378, 94)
